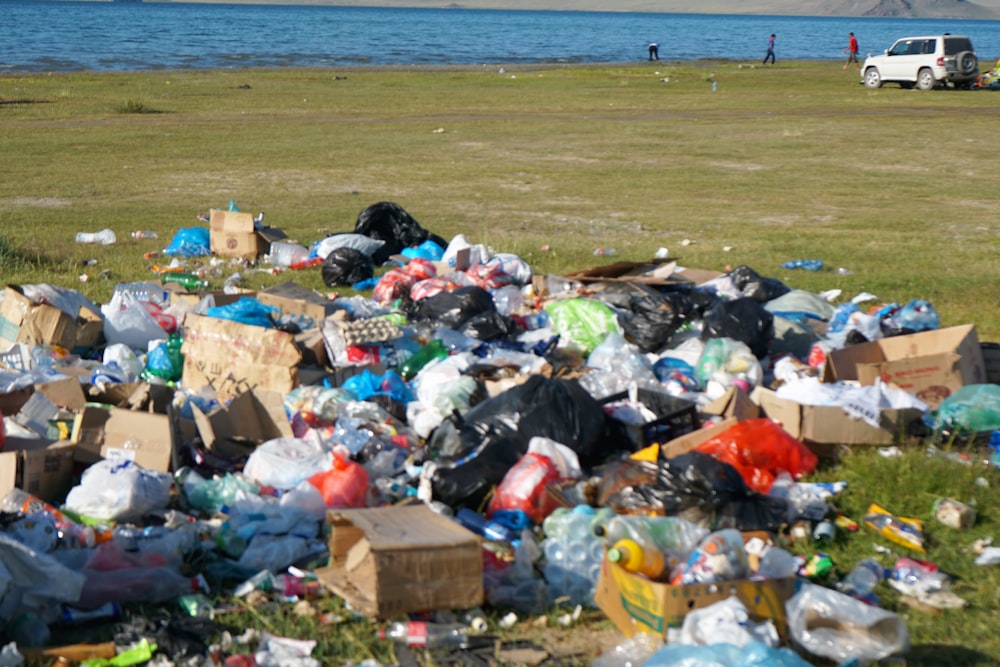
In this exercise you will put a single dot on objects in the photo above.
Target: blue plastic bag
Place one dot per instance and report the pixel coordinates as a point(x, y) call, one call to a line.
point(427, 250)
point(189, 242)
point(247, 310)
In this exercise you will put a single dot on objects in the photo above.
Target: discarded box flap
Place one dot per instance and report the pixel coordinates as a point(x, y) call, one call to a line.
point(654, 272)
point(930, 364)
point(688, 441)
point(23, 320)
point(143, 437)
point(734, 403)
point(233, 358)
point(294, 299)
point(391, 560)
point(250, 418)
point(64, 392)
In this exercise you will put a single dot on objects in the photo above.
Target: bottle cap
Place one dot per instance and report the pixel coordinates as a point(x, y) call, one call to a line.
point(614, 554)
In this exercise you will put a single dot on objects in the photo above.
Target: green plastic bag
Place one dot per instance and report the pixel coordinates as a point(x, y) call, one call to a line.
point(584, 322)
point(973, 408)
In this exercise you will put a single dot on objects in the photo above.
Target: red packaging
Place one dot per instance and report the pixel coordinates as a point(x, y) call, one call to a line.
point(523, 488)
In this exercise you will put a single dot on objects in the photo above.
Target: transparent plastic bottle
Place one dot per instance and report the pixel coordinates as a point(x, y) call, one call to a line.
point(863, 579)
point(421, 634)
point(144, 234)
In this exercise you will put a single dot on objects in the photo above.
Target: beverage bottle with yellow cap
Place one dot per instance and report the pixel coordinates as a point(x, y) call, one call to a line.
point(633, 557)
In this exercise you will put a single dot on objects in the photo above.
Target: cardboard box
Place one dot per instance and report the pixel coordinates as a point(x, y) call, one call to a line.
point(24, 321)
point(250, 419)
point(232, 234)
point(929, 364)
point(829, 425)
point(144, 437)
point(66, 393)
point(42, 467)
point(233, 358)
point(294, 299)
point(387, 561)
point(636, 604)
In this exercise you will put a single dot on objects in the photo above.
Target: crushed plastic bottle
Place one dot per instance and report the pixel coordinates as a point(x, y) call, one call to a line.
point(862, 580)
point(144, 234)
point(103, 237)
point(807, 264)
point(421, 634)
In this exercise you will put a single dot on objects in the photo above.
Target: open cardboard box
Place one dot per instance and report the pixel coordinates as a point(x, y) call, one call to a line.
point(24, 321)
point(932, 365)
point(251, 418)
point(144, 437)
point(232, 234)
point(636, 604)
point(387, 561)
point(232, 358)
point(293, 299)
point(823, 427)
point(42, 467)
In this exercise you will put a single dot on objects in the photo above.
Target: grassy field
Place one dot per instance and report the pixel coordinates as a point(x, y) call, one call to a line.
point(798, 161)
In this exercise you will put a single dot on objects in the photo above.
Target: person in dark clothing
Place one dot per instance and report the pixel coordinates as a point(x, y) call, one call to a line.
point(654, 51)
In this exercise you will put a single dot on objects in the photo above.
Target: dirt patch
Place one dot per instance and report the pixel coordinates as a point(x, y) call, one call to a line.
point(35, 202)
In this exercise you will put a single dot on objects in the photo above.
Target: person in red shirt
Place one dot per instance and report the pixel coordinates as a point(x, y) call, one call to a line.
point(852, 52)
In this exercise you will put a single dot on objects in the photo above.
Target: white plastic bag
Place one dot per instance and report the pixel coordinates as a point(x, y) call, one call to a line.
point(116, 490)
point(285, 462)
point(127, 321)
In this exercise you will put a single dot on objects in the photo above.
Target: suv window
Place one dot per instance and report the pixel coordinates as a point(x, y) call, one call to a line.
point(900, 49)
point(954, 46)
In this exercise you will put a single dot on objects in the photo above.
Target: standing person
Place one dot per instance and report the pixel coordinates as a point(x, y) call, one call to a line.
point(770, 50)
point(852, 51)
point(654, 51)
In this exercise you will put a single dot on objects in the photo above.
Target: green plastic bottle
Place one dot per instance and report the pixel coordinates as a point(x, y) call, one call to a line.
point(188, 281)
point(429, 352)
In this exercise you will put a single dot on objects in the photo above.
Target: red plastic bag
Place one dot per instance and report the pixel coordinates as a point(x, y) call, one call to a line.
point(523, 488)
point(760, 449)
point(343, 485)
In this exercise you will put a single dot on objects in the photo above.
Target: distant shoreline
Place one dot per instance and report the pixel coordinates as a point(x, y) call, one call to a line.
point(935, 9)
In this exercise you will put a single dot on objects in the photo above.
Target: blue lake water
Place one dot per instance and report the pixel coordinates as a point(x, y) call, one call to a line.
point(41, 36)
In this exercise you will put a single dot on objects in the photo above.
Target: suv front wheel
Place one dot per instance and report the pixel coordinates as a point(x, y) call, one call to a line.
point(926, 80)
point(872, 78)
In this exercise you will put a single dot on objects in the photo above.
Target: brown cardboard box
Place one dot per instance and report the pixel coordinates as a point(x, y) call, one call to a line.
point(233, 358)
point(24, 321)
point(829, 425)
point(42, 467)
point(66, 393)
point(387, 561)
point(929, 364)
point(294, 299)
point(232, 234)
point(636, 604)
point(250, 419)
point(143, 437)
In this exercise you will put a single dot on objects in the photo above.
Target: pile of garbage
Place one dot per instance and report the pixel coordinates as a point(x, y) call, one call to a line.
point(526, 440)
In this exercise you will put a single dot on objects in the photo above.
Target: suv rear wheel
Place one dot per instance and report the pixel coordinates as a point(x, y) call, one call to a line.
point(926, 80)
point(872, 78)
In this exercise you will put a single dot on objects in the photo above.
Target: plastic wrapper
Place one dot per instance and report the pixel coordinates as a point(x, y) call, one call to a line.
point(584, 323)
point(826, 623)
point(760, 450)
point(278, 552)
point(727, 621)
point(346, 266)
point(744, 320)
point(800, 306)
point(119, 491)
point(904, 531)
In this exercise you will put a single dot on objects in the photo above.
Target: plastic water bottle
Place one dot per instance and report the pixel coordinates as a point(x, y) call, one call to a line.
point(144, 234)
point(103, 237)
point(863, 579)
point(491, 530)
point(421, 634)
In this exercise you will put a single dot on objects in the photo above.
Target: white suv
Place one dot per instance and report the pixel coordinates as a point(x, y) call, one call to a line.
point(928, 62)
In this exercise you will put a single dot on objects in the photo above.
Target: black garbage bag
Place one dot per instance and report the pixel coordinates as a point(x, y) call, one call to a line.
point(488, 326)
point(703, 489)
point(755, 286)
point(177, 635)
point(346, 266)
point(476, 450)
point(652, 319)
point(387, 221)
point(451, 309)
point(742, 319)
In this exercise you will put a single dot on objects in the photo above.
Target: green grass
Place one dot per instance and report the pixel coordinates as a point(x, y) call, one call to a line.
point(791, 162)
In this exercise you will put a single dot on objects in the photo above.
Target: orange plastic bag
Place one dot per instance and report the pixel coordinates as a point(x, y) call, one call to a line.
point(343, 485)
point(760, 449)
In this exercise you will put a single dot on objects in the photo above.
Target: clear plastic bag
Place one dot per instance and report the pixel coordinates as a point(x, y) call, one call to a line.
point(119, 491)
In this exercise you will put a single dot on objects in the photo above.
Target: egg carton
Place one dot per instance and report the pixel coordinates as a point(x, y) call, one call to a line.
point(371, 330)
